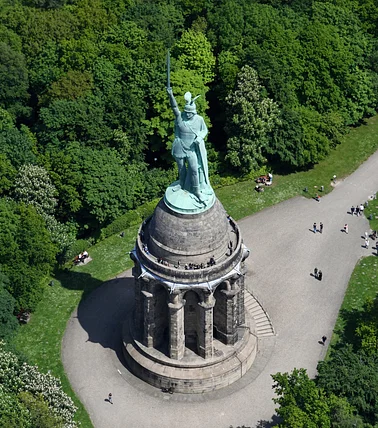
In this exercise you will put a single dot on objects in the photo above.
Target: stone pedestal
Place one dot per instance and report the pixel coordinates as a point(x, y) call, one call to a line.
point(189, 330)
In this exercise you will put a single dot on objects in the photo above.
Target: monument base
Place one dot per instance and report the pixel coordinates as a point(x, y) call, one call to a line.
point(184, 202)
point(192, 374)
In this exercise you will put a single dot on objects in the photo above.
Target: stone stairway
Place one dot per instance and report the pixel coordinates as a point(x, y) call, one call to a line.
point(264, 326)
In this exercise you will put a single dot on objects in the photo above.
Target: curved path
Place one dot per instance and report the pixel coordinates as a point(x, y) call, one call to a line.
point(284, 253)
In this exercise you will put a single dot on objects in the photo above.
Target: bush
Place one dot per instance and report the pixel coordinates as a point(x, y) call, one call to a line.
point(147, 209)
point(131, 218)
point(218, 181)
point(8, 322)
point(76, 248)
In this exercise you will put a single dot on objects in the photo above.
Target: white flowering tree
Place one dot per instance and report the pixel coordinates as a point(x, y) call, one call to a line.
point(33, 186)
point(16, 378)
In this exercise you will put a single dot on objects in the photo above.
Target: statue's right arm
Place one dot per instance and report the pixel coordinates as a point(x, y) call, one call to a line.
point(173, 102)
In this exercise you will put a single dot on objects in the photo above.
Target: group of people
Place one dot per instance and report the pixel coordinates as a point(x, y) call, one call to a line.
point(315, 227)
point(358, 210)
point(81, 257)
point(190, 266)
point(318, 274)
point(266, 180)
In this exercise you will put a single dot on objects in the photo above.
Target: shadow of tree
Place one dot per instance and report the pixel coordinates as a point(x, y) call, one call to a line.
point(352, 319)
point(73, 280)
point(268, 424)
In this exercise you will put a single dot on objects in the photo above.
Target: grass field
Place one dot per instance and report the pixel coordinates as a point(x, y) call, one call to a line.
point(362, 287)
point(41, 339)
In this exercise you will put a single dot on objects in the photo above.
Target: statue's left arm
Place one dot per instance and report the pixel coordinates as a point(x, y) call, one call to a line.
point(202, 131)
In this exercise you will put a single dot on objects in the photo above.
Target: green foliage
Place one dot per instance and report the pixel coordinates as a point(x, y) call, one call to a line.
point(66, 176)
point(301, 403)
point(41, 394)
point(343, 415)
point(131, 218)
point(7, 174)
point(40, 414)
point(27, 253)
point(147, 209)
point(304, 137)
point(193, 52)
point(163, 21)
point(108, 188)
point(75, 249)
point(18, 145)
point(13, 80)
point(74, 120)
point(13, 414)
point(8, 321)
point(352, 375)
point(251, 117)
point(70, 86)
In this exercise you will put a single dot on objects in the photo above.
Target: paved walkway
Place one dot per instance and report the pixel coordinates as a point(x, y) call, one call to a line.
point(284, 253)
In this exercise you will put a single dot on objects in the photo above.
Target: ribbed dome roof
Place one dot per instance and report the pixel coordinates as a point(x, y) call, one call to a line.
point(188, 238)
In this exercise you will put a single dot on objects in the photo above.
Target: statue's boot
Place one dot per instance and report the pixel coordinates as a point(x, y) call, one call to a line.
point(197, 194)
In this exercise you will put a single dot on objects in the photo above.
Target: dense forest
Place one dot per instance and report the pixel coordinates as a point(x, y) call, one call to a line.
point(86, 126)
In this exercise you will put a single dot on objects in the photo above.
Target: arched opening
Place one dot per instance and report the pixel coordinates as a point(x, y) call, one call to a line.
point(220, 312)
point(161, 319)
point(191, 321)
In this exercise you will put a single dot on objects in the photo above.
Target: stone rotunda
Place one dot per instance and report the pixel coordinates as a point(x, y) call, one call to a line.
point(189, 331)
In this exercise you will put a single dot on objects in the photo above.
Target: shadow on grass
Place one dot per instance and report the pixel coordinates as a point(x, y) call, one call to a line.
point(103, 310)
point(73, 280)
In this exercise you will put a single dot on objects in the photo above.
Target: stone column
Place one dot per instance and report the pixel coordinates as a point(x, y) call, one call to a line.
point(205, 326)
point(241, 310)
point(176, 326)
point(231, 324)
point(139, 308)
point(149, 317)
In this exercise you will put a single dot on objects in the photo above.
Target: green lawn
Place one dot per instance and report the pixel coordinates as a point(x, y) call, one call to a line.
point(240, 200)
point(363, 286)
point(41, 339)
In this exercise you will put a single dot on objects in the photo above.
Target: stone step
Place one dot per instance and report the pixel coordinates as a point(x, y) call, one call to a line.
point(263, 331)
point(264, 327)
point(254, 314)
point(267, 334)
point(261, 323)
point(260, 316)
point(252, 303)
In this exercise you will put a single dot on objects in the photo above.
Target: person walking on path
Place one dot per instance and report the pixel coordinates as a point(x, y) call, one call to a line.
point(357, 210)
point(361, 209)
point(367, 244)
point(314, 227)
point(110, 398)
point(321, 227)
point(346, 228)
point(324, 338)
point(352, 210)
point(366, 235)
point(316, 273)
point(320, 275)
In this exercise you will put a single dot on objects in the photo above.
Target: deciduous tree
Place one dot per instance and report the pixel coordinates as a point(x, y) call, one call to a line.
point(251, 117)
